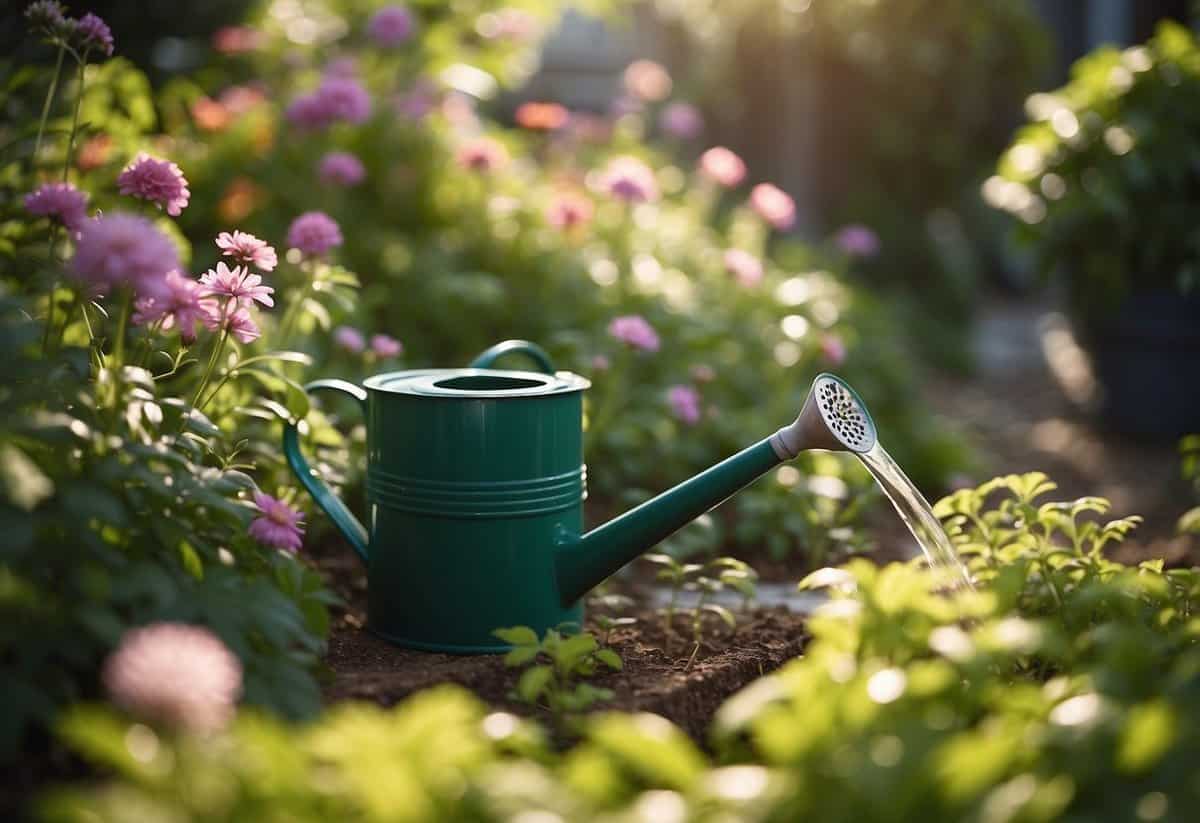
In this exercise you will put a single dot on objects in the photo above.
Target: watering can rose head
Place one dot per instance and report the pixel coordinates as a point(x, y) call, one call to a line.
point(475, 488)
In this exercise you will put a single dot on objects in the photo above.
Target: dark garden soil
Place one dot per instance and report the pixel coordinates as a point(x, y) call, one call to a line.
point(659, 674)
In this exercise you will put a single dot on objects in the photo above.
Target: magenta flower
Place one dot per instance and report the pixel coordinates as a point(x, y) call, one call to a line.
point(857, 240)
point(93, 33)
point(120, 249)
point(349, 338)
point(744, 266)
point(566, 211)
point(242, 326)
point(49, 16)
point(723, 167)
point(647, 80)
point(247, 249)
point(61, 201)
point(483, 155)
point(385, 346)
point(280, 526)
point(339, 97)
point(774, 205)
point(685, 403)
point(633, 330)
point(237, 284)
point(314, 233)
point(159, 181)
point(391, 26)
point(629, 179)
point(185, 306)
point(178, 675)
point(681, 120)
point(341, 168)
point(833, 349)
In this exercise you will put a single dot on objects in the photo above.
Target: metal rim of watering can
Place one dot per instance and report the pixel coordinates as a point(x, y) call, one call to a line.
point(492, 384)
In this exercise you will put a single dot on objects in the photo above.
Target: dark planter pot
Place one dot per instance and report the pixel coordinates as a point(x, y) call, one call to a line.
point(1147, 361)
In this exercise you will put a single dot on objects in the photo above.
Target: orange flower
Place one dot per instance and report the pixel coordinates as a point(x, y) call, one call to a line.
point(209, 114)
point(542, 116)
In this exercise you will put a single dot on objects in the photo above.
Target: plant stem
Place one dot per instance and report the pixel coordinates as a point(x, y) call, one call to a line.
point(50, 93)
point(218, 347)
point(289, 317)
point(74, 120)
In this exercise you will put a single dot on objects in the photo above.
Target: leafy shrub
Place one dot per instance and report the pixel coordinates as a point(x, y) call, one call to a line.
point(1102, 178)
point(913, 700)
point(557, 668)
point(125, 498)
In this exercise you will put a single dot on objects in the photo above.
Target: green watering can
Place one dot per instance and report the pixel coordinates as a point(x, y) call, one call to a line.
point(475, 489)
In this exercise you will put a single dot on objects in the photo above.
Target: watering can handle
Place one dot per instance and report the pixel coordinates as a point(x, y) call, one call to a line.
point(531, 350)
point(338, 512)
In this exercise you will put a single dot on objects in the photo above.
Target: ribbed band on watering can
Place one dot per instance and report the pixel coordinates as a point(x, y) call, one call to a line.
point(486, 499)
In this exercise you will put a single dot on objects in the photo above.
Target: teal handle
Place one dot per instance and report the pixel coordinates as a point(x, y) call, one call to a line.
point(532, 350)
point(338, 512)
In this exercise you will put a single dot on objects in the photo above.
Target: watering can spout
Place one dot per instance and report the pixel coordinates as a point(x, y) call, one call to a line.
point(832, 418)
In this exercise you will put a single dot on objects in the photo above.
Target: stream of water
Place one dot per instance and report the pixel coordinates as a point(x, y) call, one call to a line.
point(914, 510)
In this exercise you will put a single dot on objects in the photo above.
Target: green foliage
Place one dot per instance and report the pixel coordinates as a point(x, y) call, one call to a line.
point(556, 665)
point(912, 701)
point(707, 580)
point(1102, 177)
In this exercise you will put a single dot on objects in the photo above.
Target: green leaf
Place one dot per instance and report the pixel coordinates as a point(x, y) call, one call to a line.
point(611, 659)
point(533, 683)
point(191, 560)
point(520, 656)
point(723, 613)
point(572, 650)
point(517, 636)
point(1146, 737)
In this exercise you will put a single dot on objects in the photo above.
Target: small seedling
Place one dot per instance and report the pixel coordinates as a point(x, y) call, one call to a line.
point(557, 664)
point(737, 575)
point(677, 575)
point(611, 618)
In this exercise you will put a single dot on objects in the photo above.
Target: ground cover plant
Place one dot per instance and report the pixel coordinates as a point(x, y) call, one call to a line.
point(1065, 686)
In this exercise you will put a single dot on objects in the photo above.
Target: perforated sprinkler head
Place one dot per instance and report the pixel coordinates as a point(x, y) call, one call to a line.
point(833, 418)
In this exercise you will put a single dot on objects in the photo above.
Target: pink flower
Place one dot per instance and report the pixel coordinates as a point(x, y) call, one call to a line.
point(159, 181)
point(236, 39)
point(744, 266)
point(240, 99)
point(58, 200)
point(483, 155)
point(629, 179)
point(49, 17)
point(185, 306)
point(773, 205)
point(178, 675)
point(566, 211)
point(647, 80)
point(685, 403)
point(280, 526)
point(338, 97)
point(93, 33)
point(681, 120)
point(833, 349)
point(247, 249)
point(242, 326)
point(633, 330)
point(237, 284)
point(349, 338)
point(857, 240)
point(391, 26)
point(119, 249)
point(385, 346)
point(507, 24)
point(314, 233)
point(341, 168)
point(723, 167)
